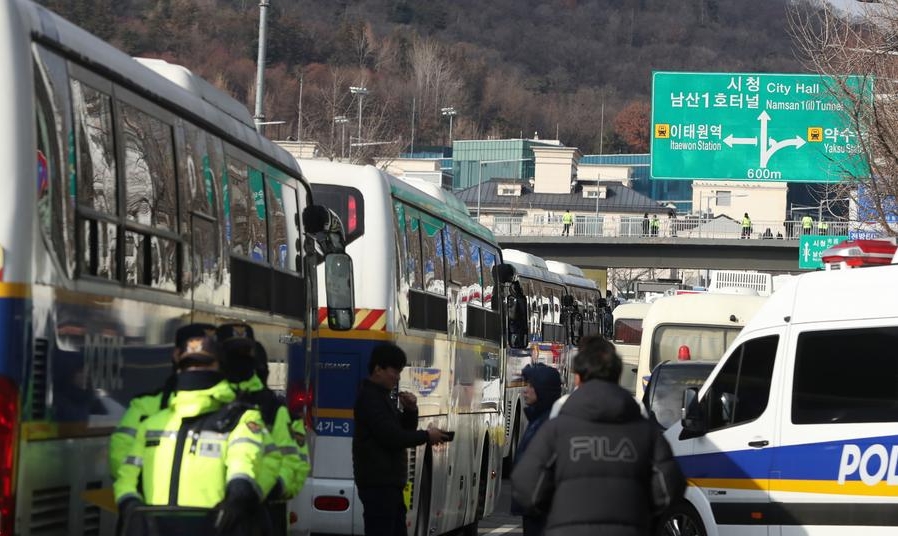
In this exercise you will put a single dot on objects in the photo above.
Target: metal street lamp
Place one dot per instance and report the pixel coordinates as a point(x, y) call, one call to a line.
point(260, 64)
point(342, 120)
point(361, 91)
point(480, 175)
point(449, 111)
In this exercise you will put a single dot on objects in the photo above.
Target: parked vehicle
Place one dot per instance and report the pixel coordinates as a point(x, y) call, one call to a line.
point(663, 396)
point(794, 431)
point(705, 324)
point(627, 337)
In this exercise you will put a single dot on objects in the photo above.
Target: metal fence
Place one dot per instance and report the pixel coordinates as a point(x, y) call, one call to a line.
point(617, 226)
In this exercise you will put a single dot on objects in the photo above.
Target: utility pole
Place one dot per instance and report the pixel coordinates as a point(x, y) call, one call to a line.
point(259, 117)
point(412, 150)
point(299, 119)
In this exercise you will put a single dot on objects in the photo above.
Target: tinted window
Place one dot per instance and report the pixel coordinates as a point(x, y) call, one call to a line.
point(628, 330)
point(413, 247)
point(238, 191)
point(200, 173)
point(742, 388)
point(347, 203)
point(432, 255)
point(706, 343)
point(258, 233)
point(282, 212)
point(149, 168)
point(848, 376)
point(96, 154)
point(666, 388)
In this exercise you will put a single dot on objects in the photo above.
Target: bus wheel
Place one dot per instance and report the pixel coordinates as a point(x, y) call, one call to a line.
point(681, 519)
point(422, 515)
point(482, 485)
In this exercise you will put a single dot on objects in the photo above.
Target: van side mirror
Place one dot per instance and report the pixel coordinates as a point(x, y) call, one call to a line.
point(338, 284)
point(694, 422)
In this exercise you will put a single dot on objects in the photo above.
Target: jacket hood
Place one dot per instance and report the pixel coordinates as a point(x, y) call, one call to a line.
point(602, 401)
point(188, 403)
point(546, 381)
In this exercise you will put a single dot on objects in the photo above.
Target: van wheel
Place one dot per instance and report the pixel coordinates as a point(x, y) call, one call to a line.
point(680, 519)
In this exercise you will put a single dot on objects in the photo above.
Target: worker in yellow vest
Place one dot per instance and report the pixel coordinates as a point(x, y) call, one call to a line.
point(807, 223)
point(567, 219)
point(746, 226)
point(822, 226)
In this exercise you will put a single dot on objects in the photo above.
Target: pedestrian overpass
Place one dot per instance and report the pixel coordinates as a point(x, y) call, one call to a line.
point(661, 252)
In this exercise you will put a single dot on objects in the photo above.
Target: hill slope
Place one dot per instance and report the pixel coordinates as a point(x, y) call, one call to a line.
point(509, 67)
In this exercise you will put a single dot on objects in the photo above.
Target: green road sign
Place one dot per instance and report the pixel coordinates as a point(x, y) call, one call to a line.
point(755, 127)
point(812, 246)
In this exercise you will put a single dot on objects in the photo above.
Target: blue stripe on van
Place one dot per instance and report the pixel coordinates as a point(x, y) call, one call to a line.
point(819, 461)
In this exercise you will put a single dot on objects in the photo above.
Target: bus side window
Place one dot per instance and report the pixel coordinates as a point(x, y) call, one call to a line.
point(96, 184)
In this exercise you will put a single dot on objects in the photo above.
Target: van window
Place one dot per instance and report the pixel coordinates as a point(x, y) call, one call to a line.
point(846, 376)
point(706, 343)
point(628, 330)
point(741, 390)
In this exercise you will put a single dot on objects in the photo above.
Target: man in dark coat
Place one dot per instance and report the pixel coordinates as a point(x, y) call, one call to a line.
point(542, 390)
point(382, 434)
point(599, 467)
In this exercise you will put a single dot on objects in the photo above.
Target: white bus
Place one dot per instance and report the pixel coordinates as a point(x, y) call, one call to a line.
point(130, 207)
point(692, 326)
point(425, 281)
point(536, 334)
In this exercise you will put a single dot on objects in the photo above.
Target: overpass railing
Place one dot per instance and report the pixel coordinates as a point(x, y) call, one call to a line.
point(617, 226)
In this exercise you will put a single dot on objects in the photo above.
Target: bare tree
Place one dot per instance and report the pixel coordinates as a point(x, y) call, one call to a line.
point(623, 280)
point(837, 44)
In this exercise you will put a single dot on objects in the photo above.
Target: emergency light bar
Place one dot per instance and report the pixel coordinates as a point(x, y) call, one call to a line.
point(857, 253)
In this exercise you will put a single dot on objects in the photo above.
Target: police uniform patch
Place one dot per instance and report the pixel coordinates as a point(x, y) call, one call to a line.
point(255, 427)
point(300, 439)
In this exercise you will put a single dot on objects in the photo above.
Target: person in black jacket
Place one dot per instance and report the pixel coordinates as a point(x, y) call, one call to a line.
point(382, 434)
point(542, 390)
point(599, 467)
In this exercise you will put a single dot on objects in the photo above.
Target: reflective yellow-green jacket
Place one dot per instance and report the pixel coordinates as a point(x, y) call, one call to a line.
point(250, 392)
point(298, 430)
point(290, 467)
point(187, 454)
point(140, 407)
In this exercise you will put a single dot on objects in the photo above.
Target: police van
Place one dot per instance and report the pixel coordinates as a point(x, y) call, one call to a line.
point(795, 431)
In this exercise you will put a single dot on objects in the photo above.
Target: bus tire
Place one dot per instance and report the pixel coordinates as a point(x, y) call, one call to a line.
point(681, 519)
point(422, 514)
point(482, 485)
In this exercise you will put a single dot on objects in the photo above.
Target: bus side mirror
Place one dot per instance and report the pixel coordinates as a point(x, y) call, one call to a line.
point(517, 323)
point(694, 422)
point(338, 284)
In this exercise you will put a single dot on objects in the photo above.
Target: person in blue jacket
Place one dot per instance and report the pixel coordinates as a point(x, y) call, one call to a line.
point(543, 388)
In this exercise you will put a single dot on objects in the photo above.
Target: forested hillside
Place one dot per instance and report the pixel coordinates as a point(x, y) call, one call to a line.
point(509, 67)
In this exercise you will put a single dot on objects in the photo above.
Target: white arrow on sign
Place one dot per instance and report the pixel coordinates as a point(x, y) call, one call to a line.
point(767, 152)
point(731, 140)
point(807, 252)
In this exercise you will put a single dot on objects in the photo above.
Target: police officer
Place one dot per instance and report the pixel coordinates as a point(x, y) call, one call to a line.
point(806, 223)
point(245, 365)
point(822, 226)
point(204, 450)
point(142, 406)
point(567, 219)
point(746, 226)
